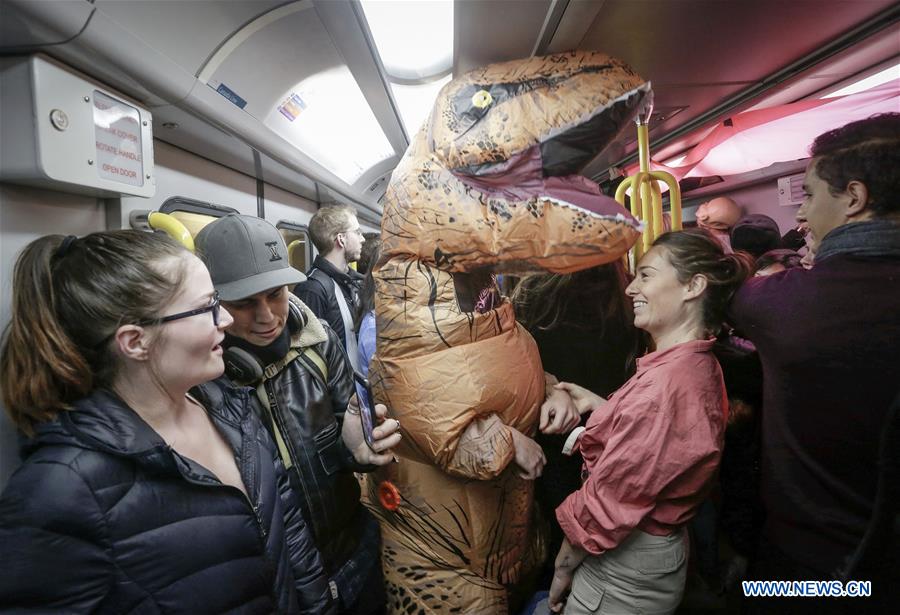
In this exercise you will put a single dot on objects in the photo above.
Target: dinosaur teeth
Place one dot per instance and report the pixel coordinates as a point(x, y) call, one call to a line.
point(568, 205)
point(619, 217)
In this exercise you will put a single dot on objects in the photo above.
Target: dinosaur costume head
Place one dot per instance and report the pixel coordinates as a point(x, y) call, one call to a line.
point(488, 182)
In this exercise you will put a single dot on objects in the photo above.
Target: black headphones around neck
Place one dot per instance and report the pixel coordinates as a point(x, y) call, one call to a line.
point(297, 318)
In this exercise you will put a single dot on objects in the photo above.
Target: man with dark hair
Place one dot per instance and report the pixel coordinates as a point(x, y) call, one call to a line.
point(304, 384)
point(332, 285)
point(756, 234)
point(828, 341)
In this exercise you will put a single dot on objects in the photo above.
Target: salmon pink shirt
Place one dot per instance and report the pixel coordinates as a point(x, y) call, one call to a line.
point(651, 452)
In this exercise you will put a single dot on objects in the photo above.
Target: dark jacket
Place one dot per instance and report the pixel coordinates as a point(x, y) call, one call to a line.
point(308, 410)
point(578, 349)
point(104, 516)
point(740, 510)
point(318, 293)
point(827, 339)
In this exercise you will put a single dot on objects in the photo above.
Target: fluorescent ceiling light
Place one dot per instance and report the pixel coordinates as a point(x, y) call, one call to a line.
point(674, 162)
point(415, 102)
point(327, 117)
point(414, 39)
point(888, 74)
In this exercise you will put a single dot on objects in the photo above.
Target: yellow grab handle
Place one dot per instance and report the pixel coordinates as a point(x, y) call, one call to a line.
point(293, 246)
point(172, 227)
point(646, 195)
point(674, 196)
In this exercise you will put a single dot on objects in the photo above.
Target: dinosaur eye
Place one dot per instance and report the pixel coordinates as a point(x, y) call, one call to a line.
point(482, 99)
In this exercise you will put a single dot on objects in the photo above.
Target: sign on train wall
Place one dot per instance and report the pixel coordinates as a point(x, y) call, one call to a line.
point(64, 132)
point(117, 132)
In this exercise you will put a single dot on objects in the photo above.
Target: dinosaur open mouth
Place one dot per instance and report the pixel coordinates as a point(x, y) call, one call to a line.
point(582, 194)
point(521, 178)
point(567, 150)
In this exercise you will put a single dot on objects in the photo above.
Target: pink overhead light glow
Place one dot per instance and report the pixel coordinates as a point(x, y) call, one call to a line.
point(757, 139)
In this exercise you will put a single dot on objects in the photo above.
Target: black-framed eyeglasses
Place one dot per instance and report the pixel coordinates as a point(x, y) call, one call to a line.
point(212, 307)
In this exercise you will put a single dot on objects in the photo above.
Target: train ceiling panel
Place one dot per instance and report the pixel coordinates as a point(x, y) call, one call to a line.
point(19, 32)
point(288, 74)
point(272, 57)
point(282, 62)
point(702, 53)
point(496, 31)
point(187, 31)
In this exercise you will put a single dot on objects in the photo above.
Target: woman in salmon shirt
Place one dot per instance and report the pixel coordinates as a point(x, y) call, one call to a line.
point(651, 451)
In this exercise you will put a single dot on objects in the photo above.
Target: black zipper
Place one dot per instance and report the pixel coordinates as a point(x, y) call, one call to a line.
point(212, 481)
point(215, 483)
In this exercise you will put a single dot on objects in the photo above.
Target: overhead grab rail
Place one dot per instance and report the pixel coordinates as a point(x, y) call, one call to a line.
point(646, 196)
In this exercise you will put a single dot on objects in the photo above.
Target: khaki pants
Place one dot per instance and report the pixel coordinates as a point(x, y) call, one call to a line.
point(644, 575)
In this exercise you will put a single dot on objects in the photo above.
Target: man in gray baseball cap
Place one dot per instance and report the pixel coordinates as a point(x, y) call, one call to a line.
point(249, 257)
point(305, 385)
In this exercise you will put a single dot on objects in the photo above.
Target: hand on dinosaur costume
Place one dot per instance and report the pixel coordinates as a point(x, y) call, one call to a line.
point(584, 400)
point(387, 436)
point(529, 455)
point(559, 413)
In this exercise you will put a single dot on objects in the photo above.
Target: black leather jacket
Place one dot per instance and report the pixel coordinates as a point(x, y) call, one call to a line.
point(105, 517)
point(309, 412)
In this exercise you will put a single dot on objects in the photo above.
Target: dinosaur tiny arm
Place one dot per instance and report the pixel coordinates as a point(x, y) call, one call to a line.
point(485, 449)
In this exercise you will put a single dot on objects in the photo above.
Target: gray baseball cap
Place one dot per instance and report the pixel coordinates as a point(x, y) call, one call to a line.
point(245, 256)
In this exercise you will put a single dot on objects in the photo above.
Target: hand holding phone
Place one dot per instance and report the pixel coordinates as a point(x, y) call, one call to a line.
point(366, 410)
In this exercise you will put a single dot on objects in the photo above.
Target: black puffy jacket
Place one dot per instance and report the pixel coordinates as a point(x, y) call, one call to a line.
point(104, 517)
point(308, 407)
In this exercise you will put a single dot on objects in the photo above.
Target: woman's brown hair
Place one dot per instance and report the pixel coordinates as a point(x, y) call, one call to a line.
point(696, 252)
point(367, 290)
point(69, 297)
point(590, 299)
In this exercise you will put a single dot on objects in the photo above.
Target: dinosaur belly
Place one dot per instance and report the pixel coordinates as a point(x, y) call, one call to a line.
point(464, 525)
point(437, 396)
point(453, 542)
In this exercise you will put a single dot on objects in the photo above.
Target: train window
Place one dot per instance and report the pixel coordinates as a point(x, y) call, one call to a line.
point(194, 214)
point(296, 236)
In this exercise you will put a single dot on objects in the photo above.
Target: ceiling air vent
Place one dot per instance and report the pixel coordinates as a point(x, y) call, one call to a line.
point(662, 114)
point(790, 190)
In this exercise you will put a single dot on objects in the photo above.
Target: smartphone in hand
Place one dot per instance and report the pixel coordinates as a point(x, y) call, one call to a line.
point(366, 410)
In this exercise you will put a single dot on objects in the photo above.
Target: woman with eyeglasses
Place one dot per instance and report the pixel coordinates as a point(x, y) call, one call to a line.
point(147, 485)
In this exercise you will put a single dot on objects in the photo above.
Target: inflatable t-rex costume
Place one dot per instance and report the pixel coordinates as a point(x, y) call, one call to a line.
point(485, 187)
